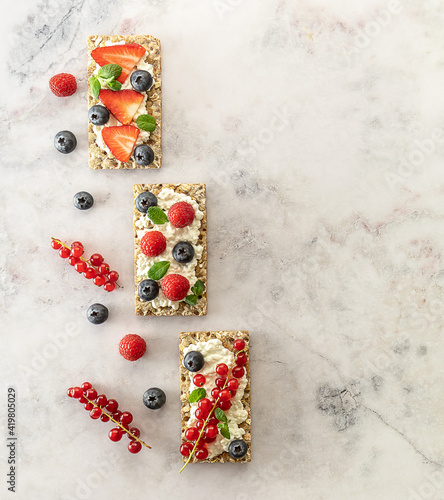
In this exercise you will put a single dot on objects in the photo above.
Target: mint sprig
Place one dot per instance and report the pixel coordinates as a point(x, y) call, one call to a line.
point(156, 215)
point(224, 429)
point(146, 122)
point(114, 85)
point(107, 75)
point(197, 290)
point(95, 87)
point(220, 415)
point(109, 72)
point(197, 395)
point(158, 270)
point(191, 300)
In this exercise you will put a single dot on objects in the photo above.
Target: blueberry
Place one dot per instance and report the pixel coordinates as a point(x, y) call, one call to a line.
point(141, 80)
point(144, 201)
point(83, 200)
point(144, 155)
point(98, 115)
point(237, 448)
point(97, 314)
point(65, 142)
point(154, 398)
point(148, 290)
point(183, 252)
point(193, 361)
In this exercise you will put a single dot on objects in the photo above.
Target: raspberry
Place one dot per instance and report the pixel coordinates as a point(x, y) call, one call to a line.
point(132, 347)
point(181, 214)
point(153, 243)
point(175, 287)
point(63, 85)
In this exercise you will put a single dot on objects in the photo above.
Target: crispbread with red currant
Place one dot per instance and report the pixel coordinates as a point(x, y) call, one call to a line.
point(124, 102)
point(170, 249)
point(215, 396)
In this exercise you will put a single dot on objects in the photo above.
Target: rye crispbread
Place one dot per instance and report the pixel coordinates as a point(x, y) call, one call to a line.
point(100, 159)
point(198, 193)
point(227, 338)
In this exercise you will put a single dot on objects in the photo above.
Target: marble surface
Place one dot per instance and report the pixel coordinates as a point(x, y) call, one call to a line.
point(318, 128)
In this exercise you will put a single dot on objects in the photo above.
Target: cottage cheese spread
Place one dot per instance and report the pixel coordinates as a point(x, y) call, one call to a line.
point(214, 353)
point(173, 235)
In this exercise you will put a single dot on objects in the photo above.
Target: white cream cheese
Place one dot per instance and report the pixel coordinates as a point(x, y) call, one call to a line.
point(165, 199)
point(214, 353)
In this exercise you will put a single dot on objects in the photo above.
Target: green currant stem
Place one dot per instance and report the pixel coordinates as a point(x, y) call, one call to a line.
point(118, 423)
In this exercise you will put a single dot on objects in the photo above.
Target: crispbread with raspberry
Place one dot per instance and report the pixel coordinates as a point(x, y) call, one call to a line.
point(197, 193)
point(102, 159)
point(227, 338)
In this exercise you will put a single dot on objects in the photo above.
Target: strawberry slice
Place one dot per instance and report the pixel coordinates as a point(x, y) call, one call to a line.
point(123, 104)
point(126, 56)
point(120, 140)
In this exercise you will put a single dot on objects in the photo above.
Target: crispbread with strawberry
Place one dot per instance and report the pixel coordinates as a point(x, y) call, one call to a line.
point(124, 95)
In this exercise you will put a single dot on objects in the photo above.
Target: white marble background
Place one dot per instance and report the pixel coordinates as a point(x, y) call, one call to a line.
point(319, 130)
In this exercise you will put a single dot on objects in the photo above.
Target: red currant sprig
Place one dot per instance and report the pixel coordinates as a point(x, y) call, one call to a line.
point(94, 268)
point(96, 405)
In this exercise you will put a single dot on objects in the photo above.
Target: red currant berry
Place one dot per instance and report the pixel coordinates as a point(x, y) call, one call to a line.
point(199, 424)
point(113, 276)
point(239, 344)
point(115, 434)
point(64, 252)
point(199, 380)
point(95, 413)
point(215, 392)
point(86, 386)
point(211, 431)
point(76, 251)
point(201, 414)
point(205, 404)
point(233, 393)
point(213, 421)
point(88, 406)
point(222, 369)
point(135, 432)
point(185, 449)
point(90, 273)
point(241, 359)
point(112, 405)
point(134, 446)
point(101, 400)
point(232, 384)
point(116, 415)
point(96, 259)
point(70, 392)
point(104, 268)
point(208, 440)
point(91, 394)
point(81, 266)
point(224, 405)
point(192, 434)
point(56, 244)
point(78, 393)
point(99, 280)
point(76, 244)
point(126, 417)
point(109, 287)
point(104, 417)
point(238, 371)
point(225, 395)
point(200, 444)
point(220, 382)
point(202, 454)
point(82, 400)
point(73, 260)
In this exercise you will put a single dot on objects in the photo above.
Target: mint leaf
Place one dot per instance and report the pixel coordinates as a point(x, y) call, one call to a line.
point(146, 122)
point(158, 270)
point(109, 72)
point(157, 215)
point(197, 395)
point(198, 288)
point(114, 85)
point(224, 430)
point(95, 86)
point(191, 300)
point(220, 415)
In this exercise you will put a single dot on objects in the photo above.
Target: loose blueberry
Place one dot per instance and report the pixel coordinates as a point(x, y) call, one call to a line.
point(144, 201)
point(193, 361)
point(97, 314)
point(237, 448)
point(98, 115)
point(148, 290)
point(141, 80)
point(83, 200)
point(144, 155)
point(65, 142)
point(154, 398)
point(183, 252)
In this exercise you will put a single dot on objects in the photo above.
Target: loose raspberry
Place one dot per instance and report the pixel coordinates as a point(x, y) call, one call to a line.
point(181, 214)
point(175, 287)
point(153, 243)
point(132, 347)
point(63, 85)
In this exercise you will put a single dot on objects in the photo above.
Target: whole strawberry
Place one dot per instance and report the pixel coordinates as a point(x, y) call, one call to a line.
point(153, 243)
point(132, 347)
point(63, 85)
point(181, 214)
point(175, 287)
